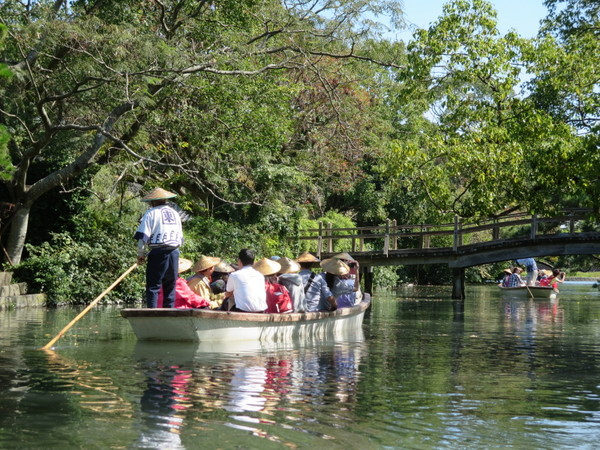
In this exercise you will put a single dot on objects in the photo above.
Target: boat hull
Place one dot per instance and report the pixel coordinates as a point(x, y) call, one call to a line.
point(529, 292)
point(202, 325)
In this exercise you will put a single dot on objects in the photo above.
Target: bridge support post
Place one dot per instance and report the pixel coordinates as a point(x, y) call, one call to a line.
point(458, 283)
point(368, 276)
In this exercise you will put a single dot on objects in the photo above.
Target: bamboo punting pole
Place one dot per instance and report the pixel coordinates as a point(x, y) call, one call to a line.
point(88, 307)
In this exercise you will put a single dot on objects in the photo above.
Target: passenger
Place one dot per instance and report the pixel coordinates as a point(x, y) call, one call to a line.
point(184, 296)
point(200, 283)
point(291, 279)
point(515, 279)
point(507, 273)
point(278, 297)
point(219, 277)
point(316, 292)
point(247, 285)
point(553, 280)
point(335, 271)
point(350, 281)
point(542, 275)
point(532, 270)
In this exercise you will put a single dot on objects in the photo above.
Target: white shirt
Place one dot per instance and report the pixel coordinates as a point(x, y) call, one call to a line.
point(160, 227)
point(248, 287)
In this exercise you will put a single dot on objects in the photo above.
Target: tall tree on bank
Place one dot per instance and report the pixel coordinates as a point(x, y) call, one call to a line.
point(468, 139)
point(92, 76)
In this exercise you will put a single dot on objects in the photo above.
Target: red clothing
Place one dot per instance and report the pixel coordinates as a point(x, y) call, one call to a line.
point(549, 281)
point(184, 296)
point(278, 298)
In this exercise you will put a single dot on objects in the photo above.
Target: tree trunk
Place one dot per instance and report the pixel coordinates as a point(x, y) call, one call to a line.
point(17, 234)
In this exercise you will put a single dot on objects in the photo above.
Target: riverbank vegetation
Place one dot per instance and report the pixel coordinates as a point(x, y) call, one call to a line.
point(267, 117)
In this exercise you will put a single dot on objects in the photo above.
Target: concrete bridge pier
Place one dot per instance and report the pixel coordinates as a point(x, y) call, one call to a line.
point(458, 283)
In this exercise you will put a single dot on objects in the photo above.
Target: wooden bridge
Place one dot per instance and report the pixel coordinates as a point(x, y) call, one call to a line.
point(460, 244)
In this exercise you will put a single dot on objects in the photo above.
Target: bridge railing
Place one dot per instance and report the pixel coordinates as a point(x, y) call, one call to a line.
point(393, 236)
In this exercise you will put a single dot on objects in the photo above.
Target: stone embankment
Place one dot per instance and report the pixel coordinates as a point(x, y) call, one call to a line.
point(14, 295)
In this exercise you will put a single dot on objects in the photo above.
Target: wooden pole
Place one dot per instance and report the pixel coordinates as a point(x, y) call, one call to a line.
point(90, 306)
point(320, 240)
point(330, 234)
point(534, 226)
point(458, 283)
point(395, 235)
point(455, 242)
point(386, 239)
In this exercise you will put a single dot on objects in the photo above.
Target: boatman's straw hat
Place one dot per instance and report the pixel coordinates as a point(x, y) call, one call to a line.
point(288, 265)
point(184, 264)
point(158, 194)
point(267, 266)
point(508, 271)
point(205, 262)
point(335, 266)
point(307, 257)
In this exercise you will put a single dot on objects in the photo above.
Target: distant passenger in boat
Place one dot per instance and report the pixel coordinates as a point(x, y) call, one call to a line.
point(341, 288)
point(507, 273)
point(247, 285)
point(515, 279)
point(532, 270)
point(278, 297)
point(292, 280)
point(200, 282)
point(184, 296)
point(316, 292)
point(350, 282)
point(553, 280)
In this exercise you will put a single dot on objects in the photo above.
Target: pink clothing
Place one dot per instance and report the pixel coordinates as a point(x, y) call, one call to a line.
point(184, 296)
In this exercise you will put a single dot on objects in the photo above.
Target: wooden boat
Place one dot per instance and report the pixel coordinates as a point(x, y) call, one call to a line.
point(203, 325)
point(530, 291)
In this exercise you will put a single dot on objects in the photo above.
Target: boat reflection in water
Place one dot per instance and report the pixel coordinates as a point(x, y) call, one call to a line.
point(252, 382)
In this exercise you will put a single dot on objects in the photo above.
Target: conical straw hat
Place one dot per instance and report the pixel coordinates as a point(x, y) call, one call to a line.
point(223, 267)
point(184, 264)
point(288, 265)
point(267, 266)
point(344, 256)
point(158, 194)
point(307, 257)
point(335, 266)
point(205, 262)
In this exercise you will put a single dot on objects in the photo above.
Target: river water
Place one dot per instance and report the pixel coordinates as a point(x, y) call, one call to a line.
point(426, 373)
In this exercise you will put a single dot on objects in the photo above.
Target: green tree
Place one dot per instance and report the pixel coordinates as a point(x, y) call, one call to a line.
point(96, 81)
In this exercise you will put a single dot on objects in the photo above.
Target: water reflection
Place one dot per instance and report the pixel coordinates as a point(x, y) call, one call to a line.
point(256, 389)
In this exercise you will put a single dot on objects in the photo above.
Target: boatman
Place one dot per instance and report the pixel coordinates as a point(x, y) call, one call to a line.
point(160, 230)
point(532, 270)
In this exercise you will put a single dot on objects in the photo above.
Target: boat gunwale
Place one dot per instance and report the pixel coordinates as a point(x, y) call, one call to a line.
point(524, 288)
point(246, 317)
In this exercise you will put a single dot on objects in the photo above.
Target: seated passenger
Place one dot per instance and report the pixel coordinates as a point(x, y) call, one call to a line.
point(289, 277)
point(220, 276)
point(553, 280)
point(247, 285)
point(278, 297)
point(351, 282)
point(316, 292)
point(515, 279)
point(507, 273)
point(200, 283)
point(341, 288)
point(184, 296)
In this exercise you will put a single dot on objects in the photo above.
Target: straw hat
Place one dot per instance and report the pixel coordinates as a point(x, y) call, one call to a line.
point(205, 262)
point(335, 266)
point(307, 257)
point(158, 194)
point(223, 267)
point(508, 271)
point(184, 264)
point(344, 256)
point(288, 265)
point(267, 266)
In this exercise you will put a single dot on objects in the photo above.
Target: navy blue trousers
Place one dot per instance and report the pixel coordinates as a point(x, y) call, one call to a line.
point(161, 270)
